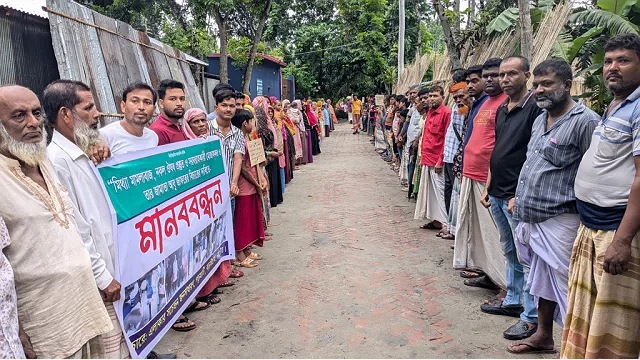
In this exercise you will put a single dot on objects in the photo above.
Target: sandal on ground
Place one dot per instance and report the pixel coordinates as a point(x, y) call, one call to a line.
point(481, 282)
point(268, 234)
point(227, 284)
point(442, 233)
point(248, 263)
point(430, 226)
point(210, 299)
point(183, 320)
point(235, 273)
point(469, 274)
point(198, 305)
point(448, 236)
point(254, 256)
point(529, 349)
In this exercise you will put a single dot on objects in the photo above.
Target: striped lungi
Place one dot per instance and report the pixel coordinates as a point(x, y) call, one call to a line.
point(110, 345)
point(603, 317)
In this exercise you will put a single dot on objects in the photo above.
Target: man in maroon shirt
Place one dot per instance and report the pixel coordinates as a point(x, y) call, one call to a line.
point(172, 102)
point(430, 201)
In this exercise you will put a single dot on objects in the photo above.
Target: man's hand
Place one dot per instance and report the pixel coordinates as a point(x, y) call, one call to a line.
point(112, 292)
point(234, 190)
point(98, 153)
point(26, 344)
point(617, 257)
point(512, 204)
point(438, 169)
point(273, 154)
point(484, 198)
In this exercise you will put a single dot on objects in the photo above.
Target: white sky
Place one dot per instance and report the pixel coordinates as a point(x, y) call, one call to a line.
point(28, 6)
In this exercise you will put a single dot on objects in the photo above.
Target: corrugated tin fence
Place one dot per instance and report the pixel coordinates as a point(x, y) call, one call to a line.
point(108, 55)
point(26, 54)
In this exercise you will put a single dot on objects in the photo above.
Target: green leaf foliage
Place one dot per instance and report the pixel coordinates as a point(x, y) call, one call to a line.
point(506, 20)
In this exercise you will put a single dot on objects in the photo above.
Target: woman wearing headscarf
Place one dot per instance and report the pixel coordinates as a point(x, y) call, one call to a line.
point(195, 127)
point(317, 108)
point(268, 135)
point(289, 143)
point(313, 124)
point(248, 226)
point(279, 144)
point(332, 112)
point(296, 116)
point(327, 119)
point(294, 131)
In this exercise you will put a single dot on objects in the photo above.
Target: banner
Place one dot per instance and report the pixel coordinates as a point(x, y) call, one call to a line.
point(173, 227)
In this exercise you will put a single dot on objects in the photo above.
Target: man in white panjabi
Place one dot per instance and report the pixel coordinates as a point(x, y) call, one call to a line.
point(59, 306)
point(72, 114)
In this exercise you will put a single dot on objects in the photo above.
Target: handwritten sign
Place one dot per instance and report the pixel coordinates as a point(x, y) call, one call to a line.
point(256, 152)
point(379, 100)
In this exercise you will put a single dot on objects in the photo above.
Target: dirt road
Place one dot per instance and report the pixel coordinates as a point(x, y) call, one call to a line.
point(348, 274)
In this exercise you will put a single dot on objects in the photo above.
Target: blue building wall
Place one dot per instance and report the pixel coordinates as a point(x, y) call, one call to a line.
point(265, 77)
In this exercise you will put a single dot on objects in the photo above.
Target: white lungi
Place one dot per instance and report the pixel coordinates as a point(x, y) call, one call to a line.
point(477, 243)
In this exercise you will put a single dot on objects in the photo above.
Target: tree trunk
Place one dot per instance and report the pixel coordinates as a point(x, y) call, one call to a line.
point(224, 50)
point(452, 46)
point(472, 13)
point(254, 49)
point(526, 33)
point(416, 7)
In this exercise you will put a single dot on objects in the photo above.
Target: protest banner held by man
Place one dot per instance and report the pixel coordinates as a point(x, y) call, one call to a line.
point(72, 114)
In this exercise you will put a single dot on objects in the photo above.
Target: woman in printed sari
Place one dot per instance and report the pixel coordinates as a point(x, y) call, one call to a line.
point(248, 227)
point(313, 124)
point(196, 126)
point(267, 133)
point(317, 108)
point(332, 112)
point(294, 131)
point(287, 138)
point(279, 144)
point(296, 115)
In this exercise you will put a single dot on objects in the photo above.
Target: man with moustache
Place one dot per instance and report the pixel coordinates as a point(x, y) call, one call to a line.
point(172, 102)
point(476, 240)
point(59, 306)
point(430, 200)
point(545, 203)
point(514, 120)
point(453, 141)
point(603, 317)
point(72, 114)
point(131, 133)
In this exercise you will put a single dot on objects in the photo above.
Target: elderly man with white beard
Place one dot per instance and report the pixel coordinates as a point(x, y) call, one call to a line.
point(59, 307)
point(71, 113)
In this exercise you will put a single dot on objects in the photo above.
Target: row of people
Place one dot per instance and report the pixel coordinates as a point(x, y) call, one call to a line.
point(57, 263)
point(540, 195)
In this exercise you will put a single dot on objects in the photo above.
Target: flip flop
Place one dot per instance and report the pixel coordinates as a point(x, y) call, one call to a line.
point(183, 321)
point(235, 273)
point(227, 284)
point(448, 236)
point(430, 226)
point(481, 283)
point(254, 256)
point(468, 274)
point(194, 307)
point(530, 349)
point(248, 263)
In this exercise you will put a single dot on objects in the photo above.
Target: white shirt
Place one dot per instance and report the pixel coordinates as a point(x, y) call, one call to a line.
point(75, 172)
point(120, 141)
point(10, 345)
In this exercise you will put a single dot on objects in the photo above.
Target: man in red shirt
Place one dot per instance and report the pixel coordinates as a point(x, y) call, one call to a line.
point(477, 245)
point(430, 201)
point(172, 103)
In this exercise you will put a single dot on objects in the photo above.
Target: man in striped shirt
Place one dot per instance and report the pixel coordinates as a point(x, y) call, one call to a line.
point(603, 317)
point(231, 137)
point(545, 203)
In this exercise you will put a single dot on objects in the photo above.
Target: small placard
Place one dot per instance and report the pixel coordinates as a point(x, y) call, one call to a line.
point(256, 152)
point(379, 100)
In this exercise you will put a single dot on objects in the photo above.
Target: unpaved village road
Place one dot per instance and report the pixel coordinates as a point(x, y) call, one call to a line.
point(349, 274)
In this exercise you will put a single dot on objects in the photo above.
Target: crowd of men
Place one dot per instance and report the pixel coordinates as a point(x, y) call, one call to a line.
point(539, 195)
point(57, 265)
